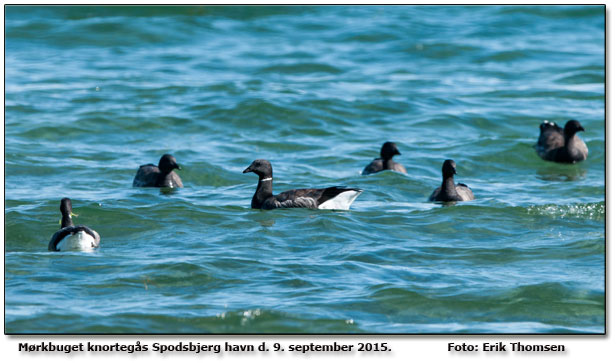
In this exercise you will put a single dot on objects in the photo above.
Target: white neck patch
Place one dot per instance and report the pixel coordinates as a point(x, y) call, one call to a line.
point(266, 179)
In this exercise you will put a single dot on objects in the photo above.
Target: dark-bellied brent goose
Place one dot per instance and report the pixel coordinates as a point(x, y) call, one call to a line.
point(561, 145)
point(150, 175)
point(71, 237)
point(449, 191)
point(385, 162)
point(326, 198)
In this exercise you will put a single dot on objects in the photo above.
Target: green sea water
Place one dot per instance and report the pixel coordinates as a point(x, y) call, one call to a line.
point(91, 93)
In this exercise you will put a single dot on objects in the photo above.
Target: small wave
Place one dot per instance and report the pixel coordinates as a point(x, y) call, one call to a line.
point(582, 78)
point(594, 211)
point(507, 56)
point(252, 320)
point(553, 12)
point(441, 50)
point(26, 109)
point(371, 37)
point(302, 68)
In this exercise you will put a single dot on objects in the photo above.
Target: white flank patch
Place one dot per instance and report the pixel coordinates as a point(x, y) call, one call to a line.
point(80, 241)
point(341, 201)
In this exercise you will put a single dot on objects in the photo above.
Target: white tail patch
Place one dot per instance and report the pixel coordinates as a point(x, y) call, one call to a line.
point(80, 241)
point(341, 201)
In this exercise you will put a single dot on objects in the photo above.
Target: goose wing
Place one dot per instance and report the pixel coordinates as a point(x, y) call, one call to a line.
point(295, 198)
point(464, 192)
point(374, 167)
point(146, 176)
point(551, 136)
point(434, 194)
point(325, 198)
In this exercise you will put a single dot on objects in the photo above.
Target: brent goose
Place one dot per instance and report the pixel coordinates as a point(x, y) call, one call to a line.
point(561, 146)
point(150, 175)
point(327, 198)
point(71, 237)
point(388, 150)
point(449, 191)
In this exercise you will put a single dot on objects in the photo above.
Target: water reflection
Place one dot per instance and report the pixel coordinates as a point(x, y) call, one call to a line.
point(264, 218)
point(169, 191)
point(267, 222)
point(561, 172)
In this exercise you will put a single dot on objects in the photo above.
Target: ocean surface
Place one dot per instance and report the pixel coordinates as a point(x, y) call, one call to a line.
point(94, 92)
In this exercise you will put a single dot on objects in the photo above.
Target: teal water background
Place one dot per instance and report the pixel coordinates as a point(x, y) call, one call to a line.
point(91, 93)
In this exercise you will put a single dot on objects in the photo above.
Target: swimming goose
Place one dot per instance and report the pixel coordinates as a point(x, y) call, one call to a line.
point(449, 191)
point(150, 175)
point(386, 162)
point(326, 198)
point(71, 237)
point(561, 146)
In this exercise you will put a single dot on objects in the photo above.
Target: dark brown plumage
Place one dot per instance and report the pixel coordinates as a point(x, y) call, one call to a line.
point(561, 145)
point(150, 175)
point(449, 191)
point(385, 162)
